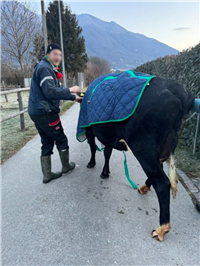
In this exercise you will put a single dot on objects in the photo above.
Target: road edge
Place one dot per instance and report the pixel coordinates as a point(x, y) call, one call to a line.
point(192, 190)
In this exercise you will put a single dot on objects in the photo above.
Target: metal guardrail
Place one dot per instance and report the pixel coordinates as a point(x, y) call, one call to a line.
point(197, 129)
point(196, 134)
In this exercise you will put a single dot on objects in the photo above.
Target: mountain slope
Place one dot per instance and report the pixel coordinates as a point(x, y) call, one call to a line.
point(122, 48)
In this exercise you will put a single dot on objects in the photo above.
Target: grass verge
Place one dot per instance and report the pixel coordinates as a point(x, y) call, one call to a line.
point(187, 162)
point(13, 139)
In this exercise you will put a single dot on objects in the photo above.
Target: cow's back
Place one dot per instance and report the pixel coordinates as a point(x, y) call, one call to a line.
point(161, 107)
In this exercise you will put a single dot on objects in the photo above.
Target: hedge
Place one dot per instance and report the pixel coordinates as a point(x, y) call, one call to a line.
point(185, 68)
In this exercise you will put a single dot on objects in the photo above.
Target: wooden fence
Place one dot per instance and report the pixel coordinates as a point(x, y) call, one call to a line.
point(19, 95)
point(21, 108)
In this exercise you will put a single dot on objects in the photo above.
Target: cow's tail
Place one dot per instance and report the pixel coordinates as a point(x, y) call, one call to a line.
point(173, 176)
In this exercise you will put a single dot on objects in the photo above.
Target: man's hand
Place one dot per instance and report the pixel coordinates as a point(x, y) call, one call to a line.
point(79, 99)
point(74, 89)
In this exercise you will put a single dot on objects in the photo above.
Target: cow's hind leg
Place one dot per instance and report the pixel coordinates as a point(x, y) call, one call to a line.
point(150, 163)
point(144, 189)
point(91, 139)
point(161, 184)
point(106, 171)
point(167, 150)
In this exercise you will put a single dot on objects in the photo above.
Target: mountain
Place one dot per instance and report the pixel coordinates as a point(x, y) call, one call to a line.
point(122, 48)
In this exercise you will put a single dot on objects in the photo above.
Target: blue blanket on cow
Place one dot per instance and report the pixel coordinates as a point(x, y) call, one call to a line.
point(111, 98)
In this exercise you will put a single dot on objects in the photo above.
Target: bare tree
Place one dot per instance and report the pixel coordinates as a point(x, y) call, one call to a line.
point(103, 64)
point(91, 73)
point(19, 26)
point(96, 67)
point(38, 49)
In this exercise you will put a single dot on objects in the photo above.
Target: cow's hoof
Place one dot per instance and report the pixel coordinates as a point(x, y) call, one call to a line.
point(144, 189)
point(104, 175)
point(91, 165)
point(160, 232)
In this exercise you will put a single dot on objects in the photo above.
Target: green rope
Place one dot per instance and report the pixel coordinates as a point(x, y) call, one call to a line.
point(97, 148)
point(125, 167)
point(127, 172)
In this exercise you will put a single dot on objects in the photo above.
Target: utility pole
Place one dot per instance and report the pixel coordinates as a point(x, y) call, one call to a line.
point(61, 44)
point(44, 25)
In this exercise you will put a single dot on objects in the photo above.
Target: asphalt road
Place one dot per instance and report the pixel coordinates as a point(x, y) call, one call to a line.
point(81, 219)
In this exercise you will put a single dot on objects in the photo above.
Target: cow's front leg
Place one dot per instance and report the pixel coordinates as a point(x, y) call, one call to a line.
point(91, 139)
point(106, 171)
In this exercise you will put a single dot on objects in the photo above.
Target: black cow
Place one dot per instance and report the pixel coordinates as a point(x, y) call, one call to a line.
point(151, 134)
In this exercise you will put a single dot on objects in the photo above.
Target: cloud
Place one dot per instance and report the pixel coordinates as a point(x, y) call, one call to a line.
point(181, 28)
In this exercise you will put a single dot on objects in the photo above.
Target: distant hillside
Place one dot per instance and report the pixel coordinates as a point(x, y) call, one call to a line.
point(122, 48)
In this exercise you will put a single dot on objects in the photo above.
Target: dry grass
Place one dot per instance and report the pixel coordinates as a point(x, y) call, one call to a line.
point(187, 162)
point(12, 138)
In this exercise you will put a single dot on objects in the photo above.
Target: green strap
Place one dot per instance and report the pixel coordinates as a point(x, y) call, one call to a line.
point(127, 172)
point(97, 147)
point(125, 167)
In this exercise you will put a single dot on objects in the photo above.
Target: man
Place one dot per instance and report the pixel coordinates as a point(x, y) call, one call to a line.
point(43, 108)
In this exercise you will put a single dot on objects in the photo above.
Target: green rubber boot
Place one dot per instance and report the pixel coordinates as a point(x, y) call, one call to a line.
point(46, 169)
point(66, 166)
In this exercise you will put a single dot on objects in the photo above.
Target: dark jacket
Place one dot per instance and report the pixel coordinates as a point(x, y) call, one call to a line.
point(45, 92)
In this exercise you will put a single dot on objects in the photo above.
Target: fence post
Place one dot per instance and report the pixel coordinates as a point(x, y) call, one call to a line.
point(22, 124)
point(197, 129)
point(3, 83)
point(81, 80)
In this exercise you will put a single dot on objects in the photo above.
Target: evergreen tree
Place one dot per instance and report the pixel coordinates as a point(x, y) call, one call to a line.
point(75, 55)
point(73, 43)
point(52, 21)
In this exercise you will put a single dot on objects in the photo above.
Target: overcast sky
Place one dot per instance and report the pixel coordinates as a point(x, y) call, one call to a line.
point(175, 23)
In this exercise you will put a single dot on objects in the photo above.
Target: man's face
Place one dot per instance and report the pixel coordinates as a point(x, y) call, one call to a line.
point(55, 56)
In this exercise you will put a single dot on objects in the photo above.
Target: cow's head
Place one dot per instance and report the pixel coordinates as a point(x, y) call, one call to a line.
point(188, 102)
